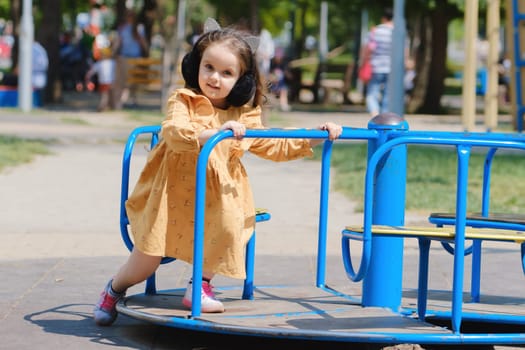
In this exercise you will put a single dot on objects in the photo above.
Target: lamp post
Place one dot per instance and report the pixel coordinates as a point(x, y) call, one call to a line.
point(25, 89)
point(396, 88)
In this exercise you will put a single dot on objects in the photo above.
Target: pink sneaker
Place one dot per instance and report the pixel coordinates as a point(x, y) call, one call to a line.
point(209, 303)
point(105, 312)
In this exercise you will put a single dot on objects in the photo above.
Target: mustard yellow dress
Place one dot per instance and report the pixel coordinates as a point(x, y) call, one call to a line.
point(161, 207)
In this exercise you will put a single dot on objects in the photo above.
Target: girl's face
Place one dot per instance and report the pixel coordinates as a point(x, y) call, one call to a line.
point(219, 70)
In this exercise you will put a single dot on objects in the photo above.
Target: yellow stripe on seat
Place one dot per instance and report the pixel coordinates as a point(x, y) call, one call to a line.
point(447, 232)
point(261, 211)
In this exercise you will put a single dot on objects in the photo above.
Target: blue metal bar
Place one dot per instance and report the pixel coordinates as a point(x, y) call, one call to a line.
point(385, 182)
point(422, 290)
point(323, 213)
point(485, 203)
point(200, 191)
point(459, 135)
point(124, 190)
point(476, 246)
point(459, 240)
point(479, 224)
point(475, 275)
point(437, 138)
point(154, 130)
point(519, 62)
point(247, 291)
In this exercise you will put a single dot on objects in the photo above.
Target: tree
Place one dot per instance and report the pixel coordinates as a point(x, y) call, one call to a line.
point(430, 34)
point(48, 36)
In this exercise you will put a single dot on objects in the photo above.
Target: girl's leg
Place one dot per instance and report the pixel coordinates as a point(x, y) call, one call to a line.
point(137, 269)
point(121, 75)
point(373, 91)
point(104, 101)
point(207, 275)
point(384, 99)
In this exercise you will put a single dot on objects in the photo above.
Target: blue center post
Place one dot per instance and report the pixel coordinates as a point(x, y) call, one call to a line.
point(382, 284)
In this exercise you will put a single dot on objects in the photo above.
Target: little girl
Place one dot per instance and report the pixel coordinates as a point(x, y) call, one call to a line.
point(104, 68)
point(224, 92)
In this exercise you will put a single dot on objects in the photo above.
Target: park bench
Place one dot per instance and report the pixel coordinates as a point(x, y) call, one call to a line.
point(331, 81)
point(334, 79)
point(145, 73)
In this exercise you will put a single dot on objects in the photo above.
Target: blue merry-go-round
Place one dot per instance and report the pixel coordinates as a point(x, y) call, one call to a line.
point(383, 312)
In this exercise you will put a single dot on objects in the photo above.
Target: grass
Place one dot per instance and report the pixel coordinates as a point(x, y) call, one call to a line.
point(74, 121)
point(431, 178)
point(147, 118)
point(15, 150)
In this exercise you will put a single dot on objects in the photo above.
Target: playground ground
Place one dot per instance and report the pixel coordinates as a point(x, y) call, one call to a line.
point(61, 239)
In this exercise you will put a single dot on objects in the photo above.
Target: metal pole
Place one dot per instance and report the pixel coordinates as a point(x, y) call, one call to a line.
point(469, 69)
point(176, 43)
point(323, 41)
point(396, 90)
point(382, 285)
point(25, 89)
point(492, 93)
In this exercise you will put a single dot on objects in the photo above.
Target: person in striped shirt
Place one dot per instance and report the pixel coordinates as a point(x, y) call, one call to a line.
point(378, 49)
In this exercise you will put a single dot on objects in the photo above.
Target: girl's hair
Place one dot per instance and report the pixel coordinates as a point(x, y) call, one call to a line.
point(249, 83)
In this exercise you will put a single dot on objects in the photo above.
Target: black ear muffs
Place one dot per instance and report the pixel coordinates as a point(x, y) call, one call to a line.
point(242, 91)
point(190, 70)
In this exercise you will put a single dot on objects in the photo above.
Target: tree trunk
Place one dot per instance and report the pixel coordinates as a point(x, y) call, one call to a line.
point(430, 54)
point(120, 11)
point(147, 17)
point(422, 54)
point(255, 26)
point(437, 71)
point(16, 12)
point(47, 35)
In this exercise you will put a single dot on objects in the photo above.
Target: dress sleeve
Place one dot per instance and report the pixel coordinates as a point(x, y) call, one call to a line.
point(187, 116)
point(281, 150)
point(277, 149)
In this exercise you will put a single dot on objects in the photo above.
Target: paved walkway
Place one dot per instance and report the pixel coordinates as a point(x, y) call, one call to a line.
point(61, 240)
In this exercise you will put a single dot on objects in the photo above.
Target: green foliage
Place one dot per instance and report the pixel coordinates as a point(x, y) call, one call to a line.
point(431, 178)
point(14, 150)
point(274, 19)
point(4, 8)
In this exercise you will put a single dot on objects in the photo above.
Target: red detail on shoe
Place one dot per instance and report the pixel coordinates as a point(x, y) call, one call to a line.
point(207, 289)
point(107, 302)
point(209, 303)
